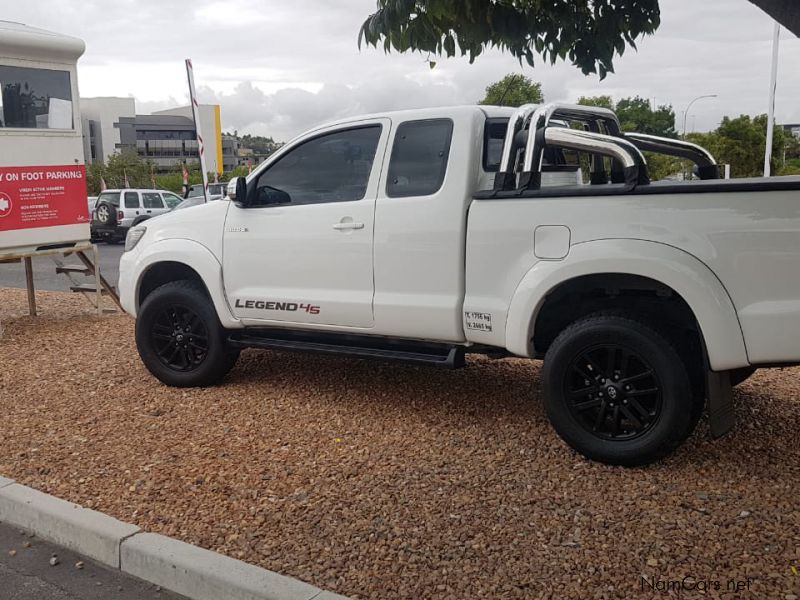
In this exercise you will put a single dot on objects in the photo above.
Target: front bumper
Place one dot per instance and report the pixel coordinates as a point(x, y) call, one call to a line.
point(127, 281)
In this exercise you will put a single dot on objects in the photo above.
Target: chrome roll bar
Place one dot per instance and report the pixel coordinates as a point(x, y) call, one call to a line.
point(506, 176)
point(623, 151)
point(515, 125)
point(604, 138)
point(707, 165)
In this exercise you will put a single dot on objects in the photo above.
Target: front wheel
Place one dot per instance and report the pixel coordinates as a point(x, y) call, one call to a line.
point(617, 391)
point(179, 336)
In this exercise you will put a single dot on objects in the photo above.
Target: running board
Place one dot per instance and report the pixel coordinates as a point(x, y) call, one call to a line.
point(424, 353)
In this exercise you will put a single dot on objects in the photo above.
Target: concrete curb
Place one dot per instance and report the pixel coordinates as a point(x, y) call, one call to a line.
point(174, 565)
point(83, 530)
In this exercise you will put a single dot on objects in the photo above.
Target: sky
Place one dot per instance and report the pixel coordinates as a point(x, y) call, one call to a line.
point(278, 68)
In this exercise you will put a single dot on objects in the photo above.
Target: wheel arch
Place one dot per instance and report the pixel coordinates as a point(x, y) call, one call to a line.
point(173, 259)
point(666, 271)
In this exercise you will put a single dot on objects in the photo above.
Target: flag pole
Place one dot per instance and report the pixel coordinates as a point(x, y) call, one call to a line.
point(773, 85)
point(196, 117)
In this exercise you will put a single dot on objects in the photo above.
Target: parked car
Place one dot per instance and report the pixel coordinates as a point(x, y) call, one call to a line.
point(215, 190)
point(195, 201)
point(427, 234)
point(92, 200)
point(116, 211)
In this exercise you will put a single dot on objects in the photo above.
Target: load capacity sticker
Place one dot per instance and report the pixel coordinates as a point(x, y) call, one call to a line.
point(478, 321)
point(32, 197)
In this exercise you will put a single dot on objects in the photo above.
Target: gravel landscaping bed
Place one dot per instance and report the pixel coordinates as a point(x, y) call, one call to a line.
point(389, 481)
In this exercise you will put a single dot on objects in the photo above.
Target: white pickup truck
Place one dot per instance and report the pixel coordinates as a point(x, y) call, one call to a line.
point(428, 234)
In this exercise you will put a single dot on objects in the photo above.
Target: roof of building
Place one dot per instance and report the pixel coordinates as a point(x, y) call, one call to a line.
point(18, 39)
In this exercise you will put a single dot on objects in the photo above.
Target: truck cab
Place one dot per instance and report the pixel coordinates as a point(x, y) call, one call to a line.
point(535, 232)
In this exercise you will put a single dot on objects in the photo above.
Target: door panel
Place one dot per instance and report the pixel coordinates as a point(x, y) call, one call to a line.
point(308, 260)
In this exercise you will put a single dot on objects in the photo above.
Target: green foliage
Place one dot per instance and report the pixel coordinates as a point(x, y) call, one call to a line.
point(260, 144)
point(588, 33)
point(741, 142)
point(139, 174)
point(513, 90)
point(636, 114)
point(600, 101)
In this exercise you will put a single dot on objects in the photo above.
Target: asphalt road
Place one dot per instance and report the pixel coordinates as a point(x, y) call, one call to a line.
point(26, 574)
point(44, 270)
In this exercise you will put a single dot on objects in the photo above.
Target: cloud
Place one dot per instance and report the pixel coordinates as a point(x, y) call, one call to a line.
point(278, 68)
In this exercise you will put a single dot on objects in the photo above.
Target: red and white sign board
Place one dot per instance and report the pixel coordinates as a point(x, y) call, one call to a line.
point(33, 197)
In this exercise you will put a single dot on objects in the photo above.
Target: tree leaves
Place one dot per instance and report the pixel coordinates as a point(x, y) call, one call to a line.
point(588, 33)
point(513, 90)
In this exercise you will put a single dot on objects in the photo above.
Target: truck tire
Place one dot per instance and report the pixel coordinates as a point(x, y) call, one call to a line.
point(180, 338)
point(617, 391)
point(106, 214)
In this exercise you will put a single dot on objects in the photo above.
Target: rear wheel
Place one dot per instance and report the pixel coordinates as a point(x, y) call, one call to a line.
point(617, 391)
point(180, 338)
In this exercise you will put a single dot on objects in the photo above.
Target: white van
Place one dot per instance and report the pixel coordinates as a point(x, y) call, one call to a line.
point(42, 173)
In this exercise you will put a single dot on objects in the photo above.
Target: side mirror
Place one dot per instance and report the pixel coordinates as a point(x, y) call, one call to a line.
point(267, 195)
point(237, 189)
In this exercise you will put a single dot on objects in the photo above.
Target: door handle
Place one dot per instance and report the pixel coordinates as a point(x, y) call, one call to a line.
point(343, 226)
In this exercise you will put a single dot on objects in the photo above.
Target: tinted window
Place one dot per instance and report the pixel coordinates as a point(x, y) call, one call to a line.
point(172, 200)
point(131, 200)
point(419, 158)
point(151, 200)
point(112, 197)
point(331, 168)
point(494, 137)
point(35, 98)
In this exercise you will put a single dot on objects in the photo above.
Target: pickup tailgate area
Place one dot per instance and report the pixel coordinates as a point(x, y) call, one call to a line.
point(748, 238)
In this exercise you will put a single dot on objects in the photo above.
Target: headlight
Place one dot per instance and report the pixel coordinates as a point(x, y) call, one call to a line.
point(133, 237)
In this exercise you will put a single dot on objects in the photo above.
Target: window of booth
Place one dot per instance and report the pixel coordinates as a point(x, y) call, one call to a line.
point(35, 98)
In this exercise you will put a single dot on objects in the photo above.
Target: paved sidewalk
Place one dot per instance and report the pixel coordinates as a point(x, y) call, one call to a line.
point(28, 575)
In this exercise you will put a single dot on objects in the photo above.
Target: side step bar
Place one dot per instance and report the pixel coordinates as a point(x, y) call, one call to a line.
point(439, 355)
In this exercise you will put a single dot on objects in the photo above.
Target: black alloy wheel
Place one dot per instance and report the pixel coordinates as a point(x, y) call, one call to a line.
point(617, 390)
point(180, 338)
point(613, 392)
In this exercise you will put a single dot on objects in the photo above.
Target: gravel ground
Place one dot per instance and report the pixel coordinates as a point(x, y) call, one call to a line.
point(389, 481)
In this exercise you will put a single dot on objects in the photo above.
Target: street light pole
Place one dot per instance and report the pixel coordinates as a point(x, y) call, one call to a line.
point(773, 84)
point(688, 108)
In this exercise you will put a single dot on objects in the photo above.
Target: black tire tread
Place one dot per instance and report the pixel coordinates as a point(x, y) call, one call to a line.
point(222, 357)
point(639, 325)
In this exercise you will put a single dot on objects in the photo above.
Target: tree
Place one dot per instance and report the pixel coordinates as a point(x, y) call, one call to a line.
point(513, 90)
point(636, 114)
point(590, 33)
point(260, 144)
point(741, 143)
point(600, 101)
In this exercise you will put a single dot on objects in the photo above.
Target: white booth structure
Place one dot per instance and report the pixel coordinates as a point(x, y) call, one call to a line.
point(43, 199)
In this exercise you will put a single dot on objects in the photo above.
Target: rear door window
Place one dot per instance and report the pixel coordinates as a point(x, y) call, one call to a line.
point(152, 200)
point(494, 137)
point(419, 158)
point(131, 199)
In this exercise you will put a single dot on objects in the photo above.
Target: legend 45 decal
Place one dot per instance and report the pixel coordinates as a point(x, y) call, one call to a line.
point(478, 321)
point(282, 306)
